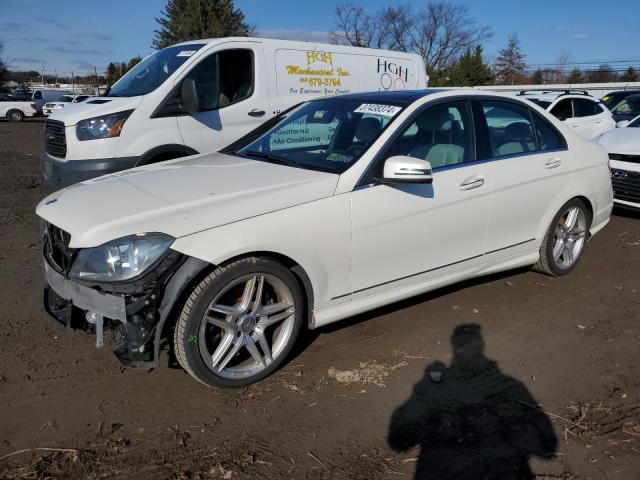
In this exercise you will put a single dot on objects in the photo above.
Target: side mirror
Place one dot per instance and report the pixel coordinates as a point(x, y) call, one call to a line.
point(402, 169)
point(189, 96)
point(622, 123)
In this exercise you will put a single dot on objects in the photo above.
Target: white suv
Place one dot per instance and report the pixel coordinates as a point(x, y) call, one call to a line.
point(62, 102)
point(583, 113)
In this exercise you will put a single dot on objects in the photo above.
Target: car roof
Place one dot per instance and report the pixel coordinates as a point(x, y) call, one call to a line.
point(405, 97)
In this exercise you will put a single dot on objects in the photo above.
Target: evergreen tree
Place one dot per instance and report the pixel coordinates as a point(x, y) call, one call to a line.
point(630, 75)
point(575, 76)
point(510, 63)
point(538, 77)
point(603, 74)
point(4, 72)
point(470, 70)
point(184, 20)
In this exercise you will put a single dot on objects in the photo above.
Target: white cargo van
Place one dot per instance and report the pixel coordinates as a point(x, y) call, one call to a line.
point(200, 96)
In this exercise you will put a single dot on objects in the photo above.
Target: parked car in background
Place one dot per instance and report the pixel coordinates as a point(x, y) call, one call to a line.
point(199, 96)
point(44, 95)
point(623, 145)
point(581, 112)
point(332, 208)
point(16, 110)
point(627, 109)
point(20, 95)
point(62, 102)
point(612, 99)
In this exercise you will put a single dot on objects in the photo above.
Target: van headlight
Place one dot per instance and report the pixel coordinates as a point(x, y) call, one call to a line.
point(121, 259)
point(106, 126)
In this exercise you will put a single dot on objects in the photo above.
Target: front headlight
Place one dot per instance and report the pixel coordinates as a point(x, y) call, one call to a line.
point(106, 126)
point(121, 259)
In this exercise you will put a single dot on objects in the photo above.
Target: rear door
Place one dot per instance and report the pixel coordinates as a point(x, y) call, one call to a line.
point(232, 88)
point(586, 115)
point(530, 167)
point(563, 111)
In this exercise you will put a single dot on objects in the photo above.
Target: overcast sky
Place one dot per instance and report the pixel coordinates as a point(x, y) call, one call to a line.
point(76, 35)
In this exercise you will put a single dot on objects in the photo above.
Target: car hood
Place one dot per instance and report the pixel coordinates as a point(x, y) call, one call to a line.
point(621, 140)
point(180, 197)
point(94, 107)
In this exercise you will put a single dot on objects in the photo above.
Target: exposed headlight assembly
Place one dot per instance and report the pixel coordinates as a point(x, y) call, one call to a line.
point(121, 259)
point(106, 126)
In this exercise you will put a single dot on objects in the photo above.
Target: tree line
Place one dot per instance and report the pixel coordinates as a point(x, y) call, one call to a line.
point(445, 35)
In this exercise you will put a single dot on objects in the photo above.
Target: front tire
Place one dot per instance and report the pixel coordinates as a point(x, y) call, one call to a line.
point(240, 323)
point(565, 239)
point(15, 115)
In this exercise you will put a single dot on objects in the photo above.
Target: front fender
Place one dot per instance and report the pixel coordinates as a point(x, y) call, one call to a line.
point(315, 235)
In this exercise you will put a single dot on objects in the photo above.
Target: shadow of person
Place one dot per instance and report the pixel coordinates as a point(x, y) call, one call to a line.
point(475, 423)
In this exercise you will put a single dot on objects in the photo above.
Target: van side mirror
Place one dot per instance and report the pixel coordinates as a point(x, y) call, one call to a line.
point(189, 96)
point(403, 169)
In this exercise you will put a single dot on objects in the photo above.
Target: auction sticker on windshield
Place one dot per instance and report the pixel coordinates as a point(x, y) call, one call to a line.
point(378, 109)
point(186, 53)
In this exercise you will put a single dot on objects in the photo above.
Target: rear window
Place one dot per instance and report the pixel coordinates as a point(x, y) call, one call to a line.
point(584, 108)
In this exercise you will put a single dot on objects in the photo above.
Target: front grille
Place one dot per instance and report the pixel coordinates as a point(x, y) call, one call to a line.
point(55, 141)
point(56, 248)
point(625, 158)
point(626, 185)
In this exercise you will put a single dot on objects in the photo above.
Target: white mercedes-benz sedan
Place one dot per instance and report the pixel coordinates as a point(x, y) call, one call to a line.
point(337, 206)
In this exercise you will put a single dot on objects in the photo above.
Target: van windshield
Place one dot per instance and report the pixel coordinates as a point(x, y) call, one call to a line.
point(153, 71)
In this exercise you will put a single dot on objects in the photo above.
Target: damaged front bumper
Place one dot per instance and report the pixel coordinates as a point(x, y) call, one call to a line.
point(132, 319)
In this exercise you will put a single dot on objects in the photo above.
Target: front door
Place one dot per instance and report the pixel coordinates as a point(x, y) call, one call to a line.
point(233, 97)
point(402, 231)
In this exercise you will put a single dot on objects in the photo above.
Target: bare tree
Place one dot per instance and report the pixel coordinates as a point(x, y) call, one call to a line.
point(440, 33)
point(354, 26)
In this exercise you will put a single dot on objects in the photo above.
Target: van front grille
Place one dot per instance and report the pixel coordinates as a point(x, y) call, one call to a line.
point(55, 142)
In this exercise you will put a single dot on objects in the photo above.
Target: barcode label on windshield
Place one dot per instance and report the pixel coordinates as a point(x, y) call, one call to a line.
point(378, 109)
point(186, 53)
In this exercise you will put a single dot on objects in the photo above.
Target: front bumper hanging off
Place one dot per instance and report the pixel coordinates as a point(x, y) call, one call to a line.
point(135, 314)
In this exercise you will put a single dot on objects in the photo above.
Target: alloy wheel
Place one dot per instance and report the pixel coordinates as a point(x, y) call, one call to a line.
point(247, 325)
point(569, 237)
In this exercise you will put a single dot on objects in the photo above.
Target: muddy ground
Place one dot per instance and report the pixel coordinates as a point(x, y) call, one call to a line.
point(555, 393)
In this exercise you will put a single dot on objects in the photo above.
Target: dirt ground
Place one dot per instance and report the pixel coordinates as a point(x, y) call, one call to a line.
point(554, 393)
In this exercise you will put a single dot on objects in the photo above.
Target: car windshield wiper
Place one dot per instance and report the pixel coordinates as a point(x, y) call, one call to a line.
point(273, 158)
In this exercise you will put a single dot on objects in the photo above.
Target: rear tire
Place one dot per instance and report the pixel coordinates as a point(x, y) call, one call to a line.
point(15, 115)
point(565, 239)
point(240, 323)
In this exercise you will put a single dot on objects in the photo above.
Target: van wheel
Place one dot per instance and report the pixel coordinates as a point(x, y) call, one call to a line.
point(240, 323)
point(565, 239)
point(15, 115)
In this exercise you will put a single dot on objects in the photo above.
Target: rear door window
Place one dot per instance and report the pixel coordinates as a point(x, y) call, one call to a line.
point(562, 109)
point(583, 107)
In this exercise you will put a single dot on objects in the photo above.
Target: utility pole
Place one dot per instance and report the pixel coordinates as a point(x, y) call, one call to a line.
point(56, 72)
point(73, 84)
point(42, 74)
point(95, 70)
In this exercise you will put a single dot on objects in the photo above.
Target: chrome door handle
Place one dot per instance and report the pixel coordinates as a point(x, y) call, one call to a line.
point(575, 125)
point(256, 113)
point(554, 162)
point(472, 182)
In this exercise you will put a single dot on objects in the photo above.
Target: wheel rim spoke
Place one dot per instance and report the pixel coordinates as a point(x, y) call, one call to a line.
point(226, 310)
point(247, 296)
point(257, 302)
point(237, 345)
point(264, 345)
point(221, 323)
point(253, 350)
point(222, 348)
point(558, 249)
point(266, 321)
point(570, 221)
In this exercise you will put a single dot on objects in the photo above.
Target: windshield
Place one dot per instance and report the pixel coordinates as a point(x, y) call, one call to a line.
point(64, 98)
point(328, 135)
point(542, 103)
point(149, 74)
point(635, 122)
point(628, 106)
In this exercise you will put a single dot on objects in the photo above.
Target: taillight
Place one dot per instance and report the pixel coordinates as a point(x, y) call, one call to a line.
point(33, 105)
